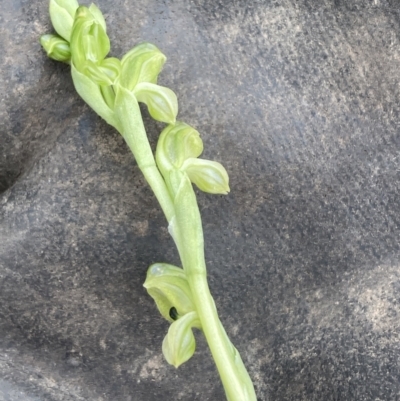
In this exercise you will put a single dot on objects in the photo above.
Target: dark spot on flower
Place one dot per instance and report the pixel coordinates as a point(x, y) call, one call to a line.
point(173, 313)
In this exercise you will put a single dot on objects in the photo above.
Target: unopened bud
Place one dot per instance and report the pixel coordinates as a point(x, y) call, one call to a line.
point(89, 40)
point(56, 47)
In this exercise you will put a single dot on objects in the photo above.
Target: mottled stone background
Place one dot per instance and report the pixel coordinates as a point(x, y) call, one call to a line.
point(299, 99)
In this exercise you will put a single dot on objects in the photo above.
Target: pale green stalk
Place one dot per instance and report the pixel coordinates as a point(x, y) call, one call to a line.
point(190, 243)
point(133, 131)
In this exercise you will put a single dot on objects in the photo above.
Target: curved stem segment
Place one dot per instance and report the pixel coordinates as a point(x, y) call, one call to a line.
point(182, 213)
point(131, 127)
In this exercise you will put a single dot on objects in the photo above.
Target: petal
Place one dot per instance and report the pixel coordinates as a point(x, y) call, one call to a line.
point(161, 101)
point(179, 344)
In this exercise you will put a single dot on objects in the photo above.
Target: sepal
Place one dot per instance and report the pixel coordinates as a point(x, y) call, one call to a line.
point(62, 13)
point(168, 286)
point(103, 73)
point(92, 94)
point(161, 101)
point(179, 344)
point(209, 176)
point(98, 15)
point(141, 64)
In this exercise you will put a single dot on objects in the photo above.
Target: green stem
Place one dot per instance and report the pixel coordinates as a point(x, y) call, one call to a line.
point(234, 376)
point(132, 129)
point(188, 234)
point(184, 218)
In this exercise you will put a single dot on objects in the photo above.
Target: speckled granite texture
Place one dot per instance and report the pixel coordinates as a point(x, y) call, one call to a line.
point(299, 99)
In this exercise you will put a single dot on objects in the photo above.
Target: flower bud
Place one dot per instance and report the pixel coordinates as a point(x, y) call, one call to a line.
point(141, 64)
point(179, 344)
point(89, 40)
point(169, 288)
point(62, 13)
point(209, 176)
point(56, 47)
point(161, 102)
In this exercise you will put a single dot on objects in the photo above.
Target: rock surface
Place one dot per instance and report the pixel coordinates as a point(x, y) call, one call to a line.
point(300, 102)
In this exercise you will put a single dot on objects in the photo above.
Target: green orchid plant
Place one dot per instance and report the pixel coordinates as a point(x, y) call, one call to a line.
point(113, 88)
